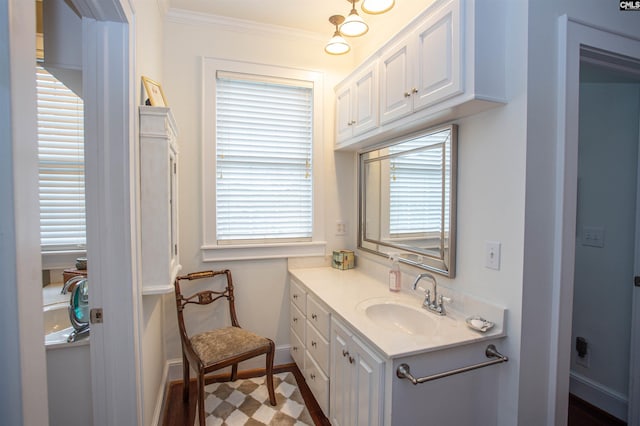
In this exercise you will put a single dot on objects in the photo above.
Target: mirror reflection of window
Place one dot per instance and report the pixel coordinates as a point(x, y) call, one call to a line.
point(407, 199)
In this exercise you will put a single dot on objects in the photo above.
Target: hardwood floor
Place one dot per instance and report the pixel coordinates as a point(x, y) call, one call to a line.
point(581, 413)
point(177, 413)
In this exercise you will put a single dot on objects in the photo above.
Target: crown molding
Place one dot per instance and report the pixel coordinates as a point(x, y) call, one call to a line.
point(189, 17)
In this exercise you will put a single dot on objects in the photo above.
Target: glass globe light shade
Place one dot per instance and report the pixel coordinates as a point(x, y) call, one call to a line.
point(376, 7)
point(354, 25)
point(337, 45)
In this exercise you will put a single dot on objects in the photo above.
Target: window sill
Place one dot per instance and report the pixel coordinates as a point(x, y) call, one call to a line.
point(61, 259)
point(262, 251)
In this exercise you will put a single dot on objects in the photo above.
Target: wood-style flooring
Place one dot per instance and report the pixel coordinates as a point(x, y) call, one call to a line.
point(177, 413)
point(581, 413)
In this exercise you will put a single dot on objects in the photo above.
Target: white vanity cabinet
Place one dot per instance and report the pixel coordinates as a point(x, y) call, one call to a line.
point(357, 380)
point(357, 103)
point(446, 64)
point(158, 199)
point(309, 325)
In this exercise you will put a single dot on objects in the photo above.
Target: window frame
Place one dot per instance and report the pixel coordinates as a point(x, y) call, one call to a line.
point(58, 256)
point(210, 249)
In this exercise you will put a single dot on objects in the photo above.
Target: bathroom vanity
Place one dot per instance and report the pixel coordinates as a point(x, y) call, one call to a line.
point(349, 335)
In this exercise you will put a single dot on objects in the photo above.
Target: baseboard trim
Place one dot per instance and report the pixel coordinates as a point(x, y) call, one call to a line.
point(598, 395)
point(161, 398)
point(173, 372)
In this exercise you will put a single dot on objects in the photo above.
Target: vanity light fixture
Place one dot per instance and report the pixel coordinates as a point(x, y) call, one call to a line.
point(353, 25)
point(337, 45)
point(376, 7)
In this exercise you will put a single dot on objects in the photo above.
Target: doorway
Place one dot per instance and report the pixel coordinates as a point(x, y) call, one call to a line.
point(609, 117)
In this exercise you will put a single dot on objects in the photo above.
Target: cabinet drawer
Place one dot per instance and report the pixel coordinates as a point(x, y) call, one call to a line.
point(318, 316)
point(318, 347)
point(297, 350)
point(298, 296)
point(297, 322)
point(318, 383)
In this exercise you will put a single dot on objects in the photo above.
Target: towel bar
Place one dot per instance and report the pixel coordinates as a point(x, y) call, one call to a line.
point(403, 371)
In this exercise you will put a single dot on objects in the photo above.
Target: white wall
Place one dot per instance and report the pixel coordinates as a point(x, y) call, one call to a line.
point(538, 379)
point(608, 153)
point(260, 285)
point(149, 33)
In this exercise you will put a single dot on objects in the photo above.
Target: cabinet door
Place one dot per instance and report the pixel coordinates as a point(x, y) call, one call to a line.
point(437, 62)
point(396, 81)
point(340, 377)
point(367, 385)
point(365, 100)
point(344, 125)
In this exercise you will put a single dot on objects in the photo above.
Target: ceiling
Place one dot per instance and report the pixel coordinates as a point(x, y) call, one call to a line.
point(307, 15)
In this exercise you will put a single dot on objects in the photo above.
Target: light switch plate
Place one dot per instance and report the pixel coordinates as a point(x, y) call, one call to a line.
point(492, 255)
point(593, 236)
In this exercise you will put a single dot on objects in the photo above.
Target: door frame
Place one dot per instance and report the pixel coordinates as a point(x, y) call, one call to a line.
point(572, 36)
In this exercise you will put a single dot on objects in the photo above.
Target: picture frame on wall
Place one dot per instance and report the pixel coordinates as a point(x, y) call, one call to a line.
point(154, 92)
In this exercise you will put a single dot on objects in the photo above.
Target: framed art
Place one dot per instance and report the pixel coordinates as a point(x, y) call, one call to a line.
point(154, 92)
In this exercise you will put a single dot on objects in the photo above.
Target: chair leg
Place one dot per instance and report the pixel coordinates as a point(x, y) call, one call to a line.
point(270, 356)
point(234, 372)
point(201, 415)
point(185, 378)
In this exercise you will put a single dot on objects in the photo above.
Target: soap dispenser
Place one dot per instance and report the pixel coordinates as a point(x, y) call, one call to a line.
point(395, 276)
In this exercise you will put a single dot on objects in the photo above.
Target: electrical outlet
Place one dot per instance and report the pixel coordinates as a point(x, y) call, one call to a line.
point(492, 255)
point(341, 228)
point(583, 360)
point(593, 236)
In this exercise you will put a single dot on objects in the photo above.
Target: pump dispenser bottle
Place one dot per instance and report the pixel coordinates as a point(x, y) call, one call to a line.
point(395, 277)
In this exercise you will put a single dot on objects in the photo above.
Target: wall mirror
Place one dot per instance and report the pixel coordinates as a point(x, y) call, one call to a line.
point(407, 199)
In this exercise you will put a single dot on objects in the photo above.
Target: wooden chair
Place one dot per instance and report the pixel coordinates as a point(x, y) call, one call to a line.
point(219, 348)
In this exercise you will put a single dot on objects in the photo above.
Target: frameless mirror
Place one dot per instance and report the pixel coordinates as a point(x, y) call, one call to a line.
point(408, 200)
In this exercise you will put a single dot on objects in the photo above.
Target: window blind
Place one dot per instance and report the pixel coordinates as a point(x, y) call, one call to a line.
point(61, 164)
point(416, 186)
point(263, 160)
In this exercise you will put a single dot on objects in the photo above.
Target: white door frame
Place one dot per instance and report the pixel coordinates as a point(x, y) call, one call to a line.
point(573, 35)
point(112, 226)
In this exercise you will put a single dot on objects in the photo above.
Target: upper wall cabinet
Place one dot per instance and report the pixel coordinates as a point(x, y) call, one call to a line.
point(357, 103)
point(158, 199)
point(446, 64)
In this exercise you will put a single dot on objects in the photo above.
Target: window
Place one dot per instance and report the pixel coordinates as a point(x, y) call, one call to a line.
point(261, 159)
point(61, 165)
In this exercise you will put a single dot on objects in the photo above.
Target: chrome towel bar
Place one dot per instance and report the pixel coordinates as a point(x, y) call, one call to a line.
point(403, 371)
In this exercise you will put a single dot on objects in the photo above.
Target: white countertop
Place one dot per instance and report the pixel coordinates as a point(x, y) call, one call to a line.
point(346, 293)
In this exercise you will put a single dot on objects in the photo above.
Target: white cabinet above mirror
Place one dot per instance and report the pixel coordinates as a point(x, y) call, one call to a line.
point(446, 64)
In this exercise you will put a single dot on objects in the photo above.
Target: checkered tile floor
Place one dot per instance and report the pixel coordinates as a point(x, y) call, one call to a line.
point(246, 402)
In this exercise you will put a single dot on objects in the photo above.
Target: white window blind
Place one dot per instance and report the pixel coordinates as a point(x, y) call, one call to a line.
point(61, 165)
point(417, 184)
point(263, 160)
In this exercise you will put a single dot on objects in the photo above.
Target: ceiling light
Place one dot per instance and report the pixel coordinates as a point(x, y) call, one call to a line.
point(376, 7)
point(354, 25)
point(337, 45)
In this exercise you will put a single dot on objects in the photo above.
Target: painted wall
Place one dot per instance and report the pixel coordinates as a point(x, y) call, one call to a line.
point(608, 154)
point(149, 28)
point(539, 321)
point(491, 180)
point(261, 289)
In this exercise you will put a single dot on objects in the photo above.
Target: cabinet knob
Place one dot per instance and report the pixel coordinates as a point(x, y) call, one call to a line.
point(351, 360)
point(353, 121)
point(314, 316)
point(407, 94)
point(295, 319)
point(295, 296)
point(345, 353)
point(313, 376)
point(295, 349)
point(414, 90)
point(314, 344)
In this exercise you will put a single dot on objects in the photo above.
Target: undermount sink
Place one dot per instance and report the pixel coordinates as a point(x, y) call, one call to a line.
point(398, 316)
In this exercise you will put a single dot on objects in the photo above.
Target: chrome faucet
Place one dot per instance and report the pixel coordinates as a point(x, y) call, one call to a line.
point(436, 304)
